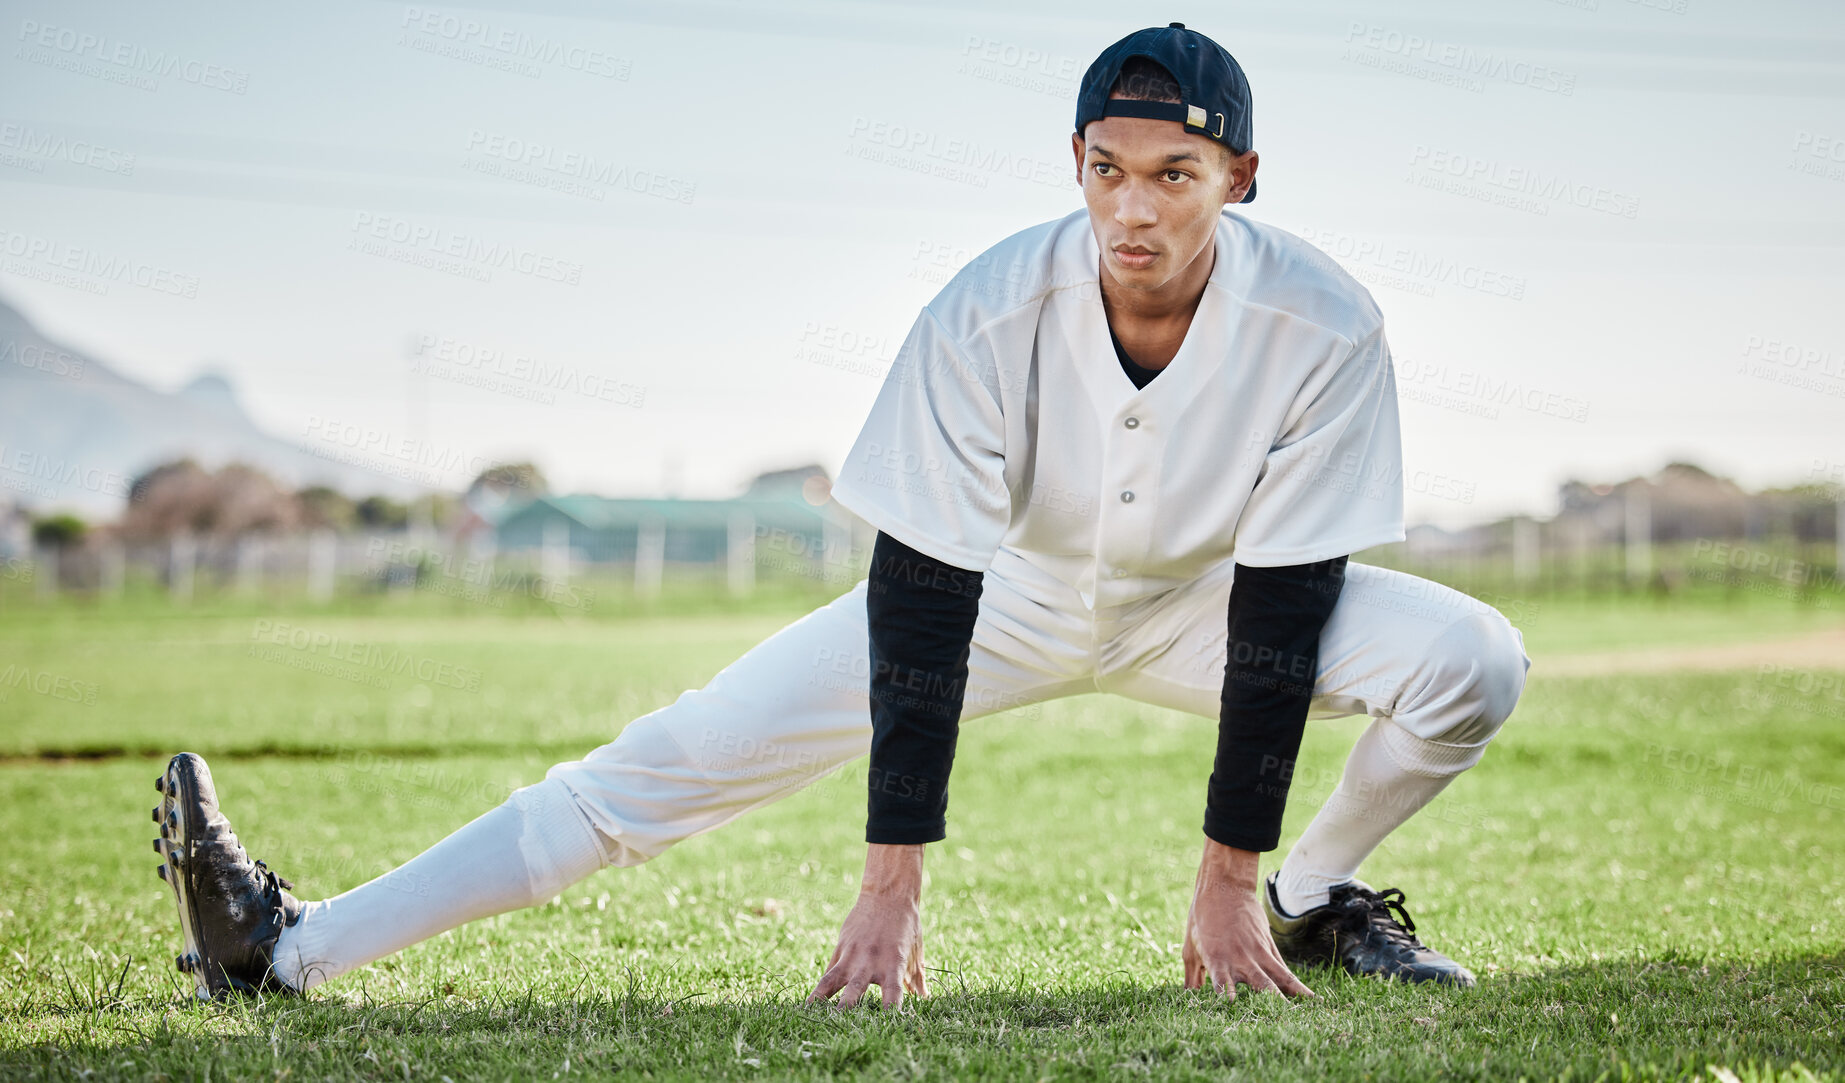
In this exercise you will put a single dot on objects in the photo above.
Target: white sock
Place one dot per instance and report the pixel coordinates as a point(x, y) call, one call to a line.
point(520, 854)
point(1390, 774)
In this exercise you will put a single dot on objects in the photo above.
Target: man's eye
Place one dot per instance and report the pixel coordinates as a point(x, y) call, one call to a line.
point(1176, 175)
point(1100, 166)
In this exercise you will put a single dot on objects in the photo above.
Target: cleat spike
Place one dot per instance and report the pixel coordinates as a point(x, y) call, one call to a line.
point(172, 817)
point(175, 858)
point(161, 870)
point(160, 784)
point(156, 813)
point(158, 848)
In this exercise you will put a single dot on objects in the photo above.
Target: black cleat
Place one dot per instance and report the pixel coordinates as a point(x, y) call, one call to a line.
point(1365, 932)
point(231, 909)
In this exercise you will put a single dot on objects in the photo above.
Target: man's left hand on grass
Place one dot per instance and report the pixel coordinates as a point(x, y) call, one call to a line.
point(1227, 939)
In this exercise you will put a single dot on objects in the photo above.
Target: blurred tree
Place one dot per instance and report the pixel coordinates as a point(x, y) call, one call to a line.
point(523, 478)
point(380, 512)
point(325, 507)
point(181, 496)
point(59, 531)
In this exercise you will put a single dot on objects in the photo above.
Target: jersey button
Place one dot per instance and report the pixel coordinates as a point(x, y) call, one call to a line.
point(1120, 573)
point(1127, 496)
point(1132, 423)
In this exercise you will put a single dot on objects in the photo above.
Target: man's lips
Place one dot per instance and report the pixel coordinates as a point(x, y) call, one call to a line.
point(1134, 257)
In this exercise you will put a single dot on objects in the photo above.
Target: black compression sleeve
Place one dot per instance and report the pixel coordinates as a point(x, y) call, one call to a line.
point(921, 615)
point(1276, 616)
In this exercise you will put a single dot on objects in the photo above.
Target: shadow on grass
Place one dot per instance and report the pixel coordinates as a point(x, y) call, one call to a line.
point(1666, 1017)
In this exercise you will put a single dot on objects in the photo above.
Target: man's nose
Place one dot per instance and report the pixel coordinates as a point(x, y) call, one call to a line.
point(1136, 207)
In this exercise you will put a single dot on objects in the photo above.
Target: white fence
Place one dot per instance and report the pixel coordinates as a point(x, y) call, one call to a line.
point(320, 564)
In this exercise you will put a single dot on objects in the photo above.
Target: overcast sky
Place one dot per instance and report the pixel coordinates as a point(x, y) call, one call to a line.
point(662, 246)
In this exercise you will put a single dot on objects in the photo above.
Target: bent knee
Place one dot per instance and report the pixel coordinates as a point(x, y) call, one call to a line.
point(1477, 672)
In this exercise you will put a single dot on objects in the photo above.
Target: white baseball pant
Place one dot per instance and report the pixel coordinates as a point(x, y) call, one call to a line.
point(1438, 670)
point(1442, 669)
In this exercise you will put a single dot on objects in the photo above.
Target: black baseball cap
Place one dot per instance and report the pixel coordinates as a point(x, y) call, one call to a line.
point(1214, 92)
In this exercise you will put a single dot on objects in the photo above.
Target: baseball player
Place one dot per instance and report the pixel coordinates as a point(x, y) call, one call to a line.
point(1129, 450)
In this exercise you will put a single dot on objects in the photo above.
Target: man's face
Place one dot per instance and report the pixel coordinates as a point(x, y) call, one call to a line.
point(1154, 192)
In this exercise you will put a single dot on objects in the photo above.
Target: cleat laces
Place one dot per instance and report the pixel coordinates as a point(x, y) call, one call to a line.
point(1384, 911)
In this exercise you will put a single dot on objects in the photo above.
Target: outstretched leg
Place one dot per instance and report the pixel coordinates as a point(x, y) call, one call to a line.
point(520, 854)
point(791, 710)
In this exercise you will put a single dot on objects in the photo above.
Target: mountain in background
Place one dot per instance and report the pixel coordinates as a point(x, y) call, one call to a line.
point(74, 433)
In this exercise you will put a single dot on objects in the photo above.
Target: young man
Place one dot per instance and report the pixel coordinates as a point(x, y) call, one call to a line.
point(1126, 451)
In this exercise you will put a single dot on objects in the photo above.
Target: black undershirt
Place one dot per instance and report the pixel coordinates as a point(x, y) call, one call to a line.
point(920, 617)
point(1141, 376)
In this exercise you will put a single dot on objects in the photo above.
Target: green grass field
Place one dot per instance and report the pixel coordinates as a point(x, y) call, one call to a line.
point(1647, 871)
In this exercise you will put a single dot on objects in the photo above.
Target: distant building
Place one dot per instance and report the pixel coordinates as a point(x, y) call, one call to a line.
point(786, 516)
point(1679, 503)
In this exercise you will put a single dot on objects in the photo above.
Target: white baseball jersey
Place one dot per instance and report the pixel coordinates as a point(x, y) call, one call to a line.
point(1270, 439)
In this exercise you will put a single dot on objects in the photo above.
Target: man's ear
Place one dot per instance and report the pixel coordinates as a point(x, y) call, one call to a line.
point(1076, 145)
point(1242, 170)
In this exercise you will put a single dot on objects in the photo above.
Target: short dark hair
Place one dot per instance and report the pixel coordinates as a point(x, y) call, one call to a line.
point(1146, 80)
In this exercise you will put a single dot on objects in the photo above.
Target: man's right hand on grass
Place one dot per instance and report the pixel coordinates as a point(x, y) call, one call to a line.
point(881, 941)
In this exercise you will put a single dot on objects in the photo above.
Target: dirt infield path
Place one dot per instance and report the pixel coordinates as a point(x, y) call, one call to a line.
point(1817, 650)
